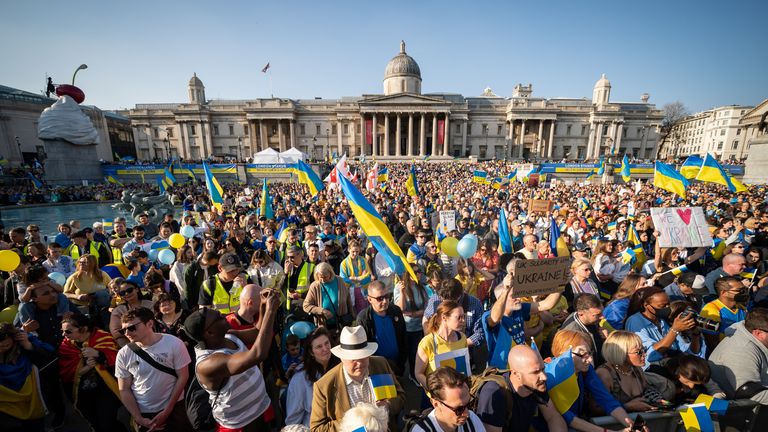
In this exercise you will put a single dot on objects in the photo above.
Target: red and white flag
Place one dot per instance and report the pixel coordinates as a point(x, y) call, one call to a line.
point(372, 178)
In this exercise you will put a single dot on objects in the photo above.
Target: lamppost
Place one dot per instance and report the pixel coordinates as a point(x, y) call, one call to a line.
point(485, 132)
point(327, 144)
point(608, 173)
point(239, 148)
point(79, 68)
point(21, 155)
point(167, 147)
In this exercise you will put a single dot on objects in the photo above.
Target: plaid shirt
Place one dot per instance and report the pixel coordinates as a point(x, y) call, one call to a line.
point(474, 315)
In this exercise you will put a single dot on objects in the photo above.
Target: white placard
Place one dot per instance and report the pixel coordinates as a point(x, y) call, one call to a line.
point(448, 217)
point(681, 227)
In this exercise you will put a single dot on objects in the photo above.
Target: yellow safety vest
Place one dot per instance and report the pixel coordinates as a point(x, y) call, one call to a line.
point(117, 253)
point(302, 284)
point(223, 301)
point(74, 252)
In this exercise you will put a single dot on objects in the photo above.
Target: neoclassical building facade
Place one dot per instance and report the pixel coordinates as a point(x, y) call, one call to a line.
point(401, 123)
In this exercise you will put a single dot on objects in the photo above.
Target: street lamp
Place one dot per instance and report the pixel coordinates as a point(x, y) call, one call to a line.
point(328, 143)
point(167, 147)
point(485, 132)
point(79, 68)
point(21, 155)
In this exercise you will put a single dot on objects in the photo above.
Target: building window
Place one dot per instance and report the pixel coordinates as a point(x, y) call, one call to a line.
point(735, 145)
point(568, 129)
point(605, 129)
point(216, 130)
point(169, 132)
point(192, 130)
point(469, 129)
point(720, 145)
point(317, 128)
point(245, 129)
point(156, 132)
point(359, 127)
point(722, 132)
point(302, 129)
point(457, 129)
point(637, 132)
point(231, 129)
point(624, 133)
point(738, 131)
point(346, 129)
point(485, 129)
point(273, 130)
point(333, 129)
point(498, 129)
point(583, 130)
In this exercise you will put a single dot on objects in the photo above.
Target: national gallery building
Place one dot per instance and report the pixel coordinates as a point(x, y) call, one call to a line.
point(401, 123)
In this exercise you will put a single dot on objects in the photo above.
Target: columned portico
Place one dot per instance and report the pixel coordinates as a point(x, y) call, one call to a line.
point(386, 135)
point(410, 137)
point(398, 133)
point(422, 135)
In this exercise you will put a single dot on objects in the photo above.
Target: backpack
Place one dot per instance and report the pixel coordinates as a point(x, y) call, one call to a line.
point(198, 404)
point(497, 376)
point(422, 420)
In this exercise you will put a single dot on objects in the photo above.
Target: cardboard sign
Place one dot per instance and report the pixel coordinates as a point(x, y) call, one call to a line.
point(448, 217)
point(539, 206)
point(540, 276)
point(681, 227)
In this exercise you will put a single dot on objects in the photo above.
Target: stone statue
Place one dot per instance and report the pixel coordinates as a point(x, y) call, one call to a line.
point(136, 203)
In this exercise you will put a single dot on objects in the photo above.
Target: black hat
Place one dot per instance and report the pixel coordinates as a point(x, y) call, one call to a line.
point(194, 325)
point(78, 234)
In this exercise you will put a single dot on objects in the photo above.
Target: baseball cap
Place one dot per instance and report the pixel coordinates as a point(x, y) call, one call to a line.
point(229, 262)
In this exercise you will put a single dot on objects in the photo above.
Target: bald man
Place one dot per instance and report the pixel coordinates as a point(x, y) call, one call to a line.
point(733, 265)
point(525, 388)
point(247, 315)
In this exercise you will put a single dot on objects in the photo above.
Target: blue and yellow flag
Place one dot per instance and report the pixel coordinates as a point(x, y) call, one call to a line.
point(562, 385)
point(282, 233)
point(665, 177)
point(113, 180)
point(601, 169)
point(383, 386)
point(170, 179)
point(690, 168)
point(496, 183)
point(383, 175)
point(480, 177)
point(711, 171)
point(505, 239)
point(612, 226)
point(35, 181)
point(266, 203)
point(749, 273)
point(412, 184)
point(214, 188)
point(161, 184)
point(590, 174)
point(376, 230)
point(677, 271)
point(713, 404)
point(696, 418)
point(718, 249)
point(625, 175)
point(584, 203)
point(308, 177)
point(511, 176)
point(628, 255)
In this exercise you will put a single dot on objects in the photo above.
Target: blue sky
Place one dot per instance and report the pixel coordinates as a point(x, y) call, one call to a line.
point(703, 53)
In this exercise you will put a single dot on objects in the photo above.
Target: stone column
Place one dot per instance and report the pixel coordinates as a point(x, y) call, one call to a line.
point(590, 141)
point(618, 135)
point(386, 135)
point(252, 135)
point(463, 138)
point(339, 130)
point(152, 150)
point(280, 138)
point(398, 133)
point(598, 139)
point(362, 134)
point(510, 150)
point(410, 136)
point(434, 135)
point(644, 142)
point(206, 127)
point(551, 140)
point(540, 144)
point(422, 135)
point(446, 140)
point(611, 132)
point(263, 135)
point(375, 135)
point(352, 139)
point(184, 137)
point(293, 133)
point(522, 139)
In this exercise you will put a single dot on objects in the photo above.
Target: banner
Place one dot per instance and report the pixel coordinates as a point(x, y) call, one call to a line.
point(269, 168)
point(440, 133)
point(448, 217)
point(160, 169)
point(540, 277)
point(368, 131)
point(681, 227)
point(539, 206)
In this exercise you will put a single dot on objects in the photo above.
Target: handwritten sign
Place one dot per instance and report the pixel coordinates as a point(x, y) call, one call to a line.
point(681, 227)
point(540, 276)
point(539, 206)
point(448, 217)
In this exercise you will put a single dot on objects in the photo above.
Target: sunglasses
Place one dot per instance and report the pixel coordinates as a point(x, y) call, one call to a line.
point(381, 299)
point(131, 328)
point(460, 410)
point(126, 291)
point(582, 355)
point(640, 351)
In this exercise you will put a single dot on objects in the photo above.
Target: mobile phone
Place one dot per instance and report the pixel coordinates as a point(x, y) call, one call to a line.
point(638, 424)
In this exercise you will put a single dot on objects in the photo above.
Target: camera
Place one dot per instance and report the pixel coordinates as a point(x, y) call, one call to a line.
point(706, 324)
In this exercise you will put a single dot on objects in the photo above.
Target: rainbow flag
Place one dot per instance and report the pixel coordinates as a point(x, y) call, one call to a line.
point(562, 385)
point(696, 418)
point(383, 386)
point(713, 404)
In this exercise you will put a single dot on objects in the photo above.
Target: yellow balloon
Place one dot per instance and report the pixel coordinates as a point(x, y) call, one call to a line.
point(448, 245)
point(9, 260)
point(176, 240)
point(8, 314)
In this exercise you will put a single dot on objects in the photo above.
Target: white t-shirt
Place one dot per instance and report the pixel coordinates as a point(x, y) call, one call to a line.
point(152, 387)
point(476, 426)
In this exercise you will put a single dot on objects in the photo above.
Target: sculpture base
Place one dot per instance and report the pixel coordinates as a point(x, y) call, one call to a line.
point(756, 165)
point(67, 163)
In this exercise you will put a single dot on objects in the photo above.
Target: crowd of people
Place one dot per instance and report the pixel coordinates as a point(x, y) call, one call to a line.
point(225, 319)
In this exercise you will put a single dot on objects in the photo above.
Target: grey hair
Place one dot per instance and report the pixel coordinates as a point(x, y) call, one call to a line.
point(324, 267)
point(295, 428)
point(363, 414)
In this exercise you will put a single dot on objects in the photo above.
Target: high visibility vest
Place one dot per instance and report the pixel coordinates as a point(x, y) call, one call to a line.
point(223, 301)
point(74, 251)
point(117, 253)
point(302, 284)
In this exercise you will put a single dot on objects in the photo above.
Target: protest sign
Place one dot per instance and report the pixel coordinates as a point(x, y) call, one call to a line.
point(539, 206)
point(540, 277)
point(448, 218)
point(681, 227)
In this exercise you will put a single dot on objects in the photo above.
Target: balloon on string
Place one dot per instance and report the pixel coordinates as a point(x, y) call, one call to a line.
point(166, 256)
point(188, 231)
point(57, 277)
point(448, 245)
point(467, 246)
point(9, 260)
point(301, 329)
point(153, 254)
point(176, 240)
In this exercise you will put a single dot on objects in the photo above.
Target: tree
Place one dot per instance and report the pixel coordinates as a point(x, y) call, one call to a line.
point(673, 113)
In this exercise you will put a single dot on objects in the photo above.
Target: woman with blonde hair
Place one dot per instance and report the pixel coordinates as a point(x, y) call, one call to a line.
point(328, 299)
point(264, 271)
point(88, 283)
point(581, 281)
point(589, 383)
point(444, 344)
point(355, 272)
point(622, 372)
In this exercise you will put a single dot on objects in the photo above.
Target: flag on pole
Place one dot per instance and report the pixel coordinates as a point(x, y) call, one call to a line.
point(711, 171)
point(383, 175)
point(170, 179)
point(214, 188)
point(161, 184)
point(562, 384)
point(601, 169)
point(265, 68)
point(691, 167)
point(308, 177)
point(372, 179)
point(625, 174)
point(412, 184)
point(665, 177)
point(35, 181)
point(480, 177)
point(266, 203)
point(505, 239)
point(113, 180)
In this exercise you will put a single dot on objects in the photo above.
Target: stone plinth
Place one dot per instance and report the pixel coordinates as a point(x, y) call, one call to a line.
point(756, 166)
point(67, 163)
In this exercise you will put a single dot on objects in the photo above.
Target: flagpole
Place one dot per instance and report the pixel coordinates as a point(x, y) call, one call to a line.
point(271, 90)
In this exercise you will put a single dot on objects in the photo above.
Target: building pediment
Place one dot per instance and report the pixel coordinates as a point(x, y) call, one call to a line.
point(754, 115)
point(403, 99)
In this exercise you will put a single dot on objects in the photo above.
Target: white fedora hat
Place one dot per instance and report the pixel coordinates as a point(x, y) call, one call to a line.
point(354, 345)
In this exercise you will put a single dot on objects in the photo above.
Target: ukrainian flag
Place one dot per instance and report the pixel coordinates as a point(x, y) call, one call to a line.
point(719, 249)
point(612, 226)
point(691, 166)
point(169, 177)
point(412, 185)
point(562, 385)
point(107, 223)
point(677, 271)
point(214, 188)
point(282, 233)
point(383, 386)
point(512, 175)
point(35, 181)
point(749, 273)
point(191, 174)
point(601, 170)
point(628, 255)
point(111, 179)
point(308, 177)
point(383, 175)
point(373, 227)
point(713, 404)
point(266, 203)
point(625, 169)
point(505, 239)
point(497, 183)
point(116, 270)
point(591, 174)
point(161, 184)
point(583, 202)
point(665, 177)
point(480, 177)
point(696, 418)
point(711, 171)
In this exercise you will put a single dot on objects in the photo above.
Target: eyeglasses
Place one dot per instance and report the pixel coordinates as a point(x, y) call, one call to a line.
point(381, 299)
point(738, 247)
point(270, 241)
point(639, 352)
point(582, 355)
point(131, 328)
point(459, 410)
point(125, 292)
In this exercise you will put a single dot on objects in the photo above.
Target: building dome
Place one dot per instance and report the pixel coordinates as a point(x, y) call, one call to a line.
point(402, 74)
point(601, 94)
point(195, 81)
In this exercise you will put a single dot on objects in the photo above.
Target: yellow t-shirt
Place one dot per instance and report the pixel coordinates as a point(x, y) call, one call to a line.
point(431, 341)
point(85, 285)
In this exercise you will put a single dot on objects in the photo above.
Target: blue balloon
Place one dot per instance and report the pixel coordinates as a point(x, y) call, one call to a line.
point(166, 256)
point(57, 277)
point(302, 329)
point(467, 246)
point(153, 254)
point(188, 231)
